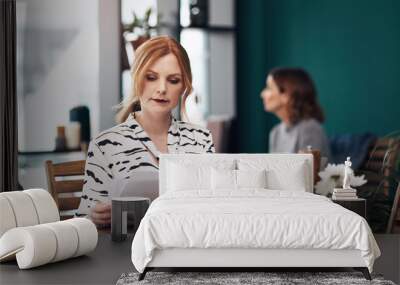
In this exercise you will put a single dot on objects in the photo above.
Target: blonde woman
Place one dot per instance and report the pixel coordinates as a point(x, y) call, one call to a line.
point(161, 78)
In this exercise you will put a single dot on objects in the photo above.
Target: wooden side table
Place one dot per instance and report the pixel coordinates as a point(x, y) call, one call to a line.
point(358, 206)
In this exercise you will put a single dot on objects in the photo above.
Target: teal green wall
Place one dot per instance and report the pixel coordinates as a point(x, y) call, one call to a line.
point(351, 49)
point(253, 124)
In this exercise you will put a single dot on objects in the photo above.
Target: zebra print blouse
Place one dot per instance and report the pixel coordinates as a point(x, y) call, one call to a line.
point(122, 151)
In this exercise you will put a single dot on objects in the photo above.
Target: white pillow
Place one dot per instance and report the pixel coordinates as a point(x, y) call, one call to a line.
point(251, 178)
point(292, 180)
point(282, 174)
point(182, 177)
point(223, 179)
point(227, 179)
point(200, 160)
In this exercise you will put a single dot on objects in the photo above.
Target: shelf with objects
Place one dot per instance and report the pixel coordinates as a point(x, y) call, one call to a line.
point(207, 30)
point(139, 21)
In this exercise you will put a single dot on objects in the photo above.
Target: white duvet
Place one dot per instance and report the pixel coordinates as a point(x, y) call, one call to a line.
point(250, 219)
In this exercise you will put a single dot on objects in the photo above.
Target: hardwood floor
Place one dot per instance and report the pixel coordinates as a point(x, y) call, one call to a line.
point(389, 262)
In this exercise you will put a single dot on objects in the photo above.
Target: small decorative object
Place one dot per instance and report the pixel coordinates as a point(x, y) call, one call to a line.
point(61, 142)
point(126, 210)
point(346, 192)
point(81, 114)
point(316, 161)
point(339, 176)
point(198, 10)
point(347, 172)
point(73, 135)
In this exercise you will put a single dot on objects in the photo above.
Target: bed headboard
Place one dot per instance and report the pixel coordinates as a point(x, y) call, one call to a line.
point(214, 158)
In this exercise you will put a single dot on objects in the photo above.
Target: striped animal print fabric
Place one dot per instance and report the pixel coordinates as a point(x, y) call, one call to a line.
point(123, 151)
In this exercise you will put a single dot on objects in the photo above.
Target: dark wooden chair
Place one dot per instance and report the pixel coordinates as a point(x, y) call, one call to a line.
point(380, 171)
point(394, 220)
point(380, 162)
point(63, 190)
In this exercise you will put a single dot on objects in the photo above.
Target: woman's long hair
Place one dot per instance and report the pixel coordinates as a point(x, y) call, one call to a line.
point(303, 102)
point(145, 56)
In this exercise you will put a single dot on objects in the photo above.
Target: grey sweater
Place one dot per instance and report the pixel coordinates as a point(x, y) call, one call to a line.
point(291, 139)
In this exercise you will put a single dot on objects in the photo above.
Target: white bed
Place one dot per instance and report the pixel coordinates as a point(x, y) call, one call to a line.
point(199, 224)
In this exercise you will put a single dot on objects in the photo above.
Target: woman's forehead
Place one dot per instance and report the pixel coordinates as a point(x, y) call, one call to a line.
point(166, 64)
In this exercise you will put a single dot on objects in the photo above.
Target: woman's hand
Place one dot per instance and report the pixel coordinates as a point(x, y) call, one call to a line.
point(101, 214)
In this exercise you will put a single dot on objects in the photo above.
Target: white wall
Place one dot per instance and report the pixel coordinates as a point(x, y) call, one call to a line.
point(71, 57)
point(222, 74)
point(21, 8)
point(168, 9)
point(67, 55)
point(61, 67)
point(221, 13)
point(109, 61)
point(222, 59)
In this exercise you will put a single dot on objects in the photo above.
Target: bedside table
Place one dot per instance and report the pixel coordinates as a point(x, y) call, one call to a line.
point(358, 206)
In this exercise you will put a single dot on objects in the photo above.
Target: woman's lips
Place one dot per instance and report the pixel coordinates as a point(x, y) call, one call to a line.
point(161, 101)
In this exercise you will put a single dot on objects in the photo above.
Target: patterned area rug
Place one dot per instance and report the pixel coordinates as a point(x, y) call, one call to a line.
point(229, 278)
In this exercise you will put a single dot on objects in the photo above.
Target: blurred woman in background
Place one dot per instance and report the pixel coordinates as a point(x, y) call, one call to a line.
point(290, 94)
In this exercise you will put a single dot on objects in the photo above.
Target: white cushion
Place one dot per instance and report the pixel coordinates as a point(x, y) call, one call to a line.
point(248, 162)
point(183, 177)
point(251, 178)
point(223, 179)
point(283, 174)
point(226, 179)
point(200, 160)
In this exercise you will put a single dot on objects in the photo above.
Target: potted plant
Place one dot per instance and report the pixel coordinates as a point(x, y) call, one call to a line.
point(140, 29)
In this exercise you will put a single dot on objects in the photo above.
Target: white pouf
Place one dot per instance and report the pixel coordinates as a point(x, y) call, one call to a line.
point(26, 208)
point(45, 205)
point(23, 208)
point(40, 244)
point(87, 234)
point(7, 216)
point(33, 246)
point(66, 237)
